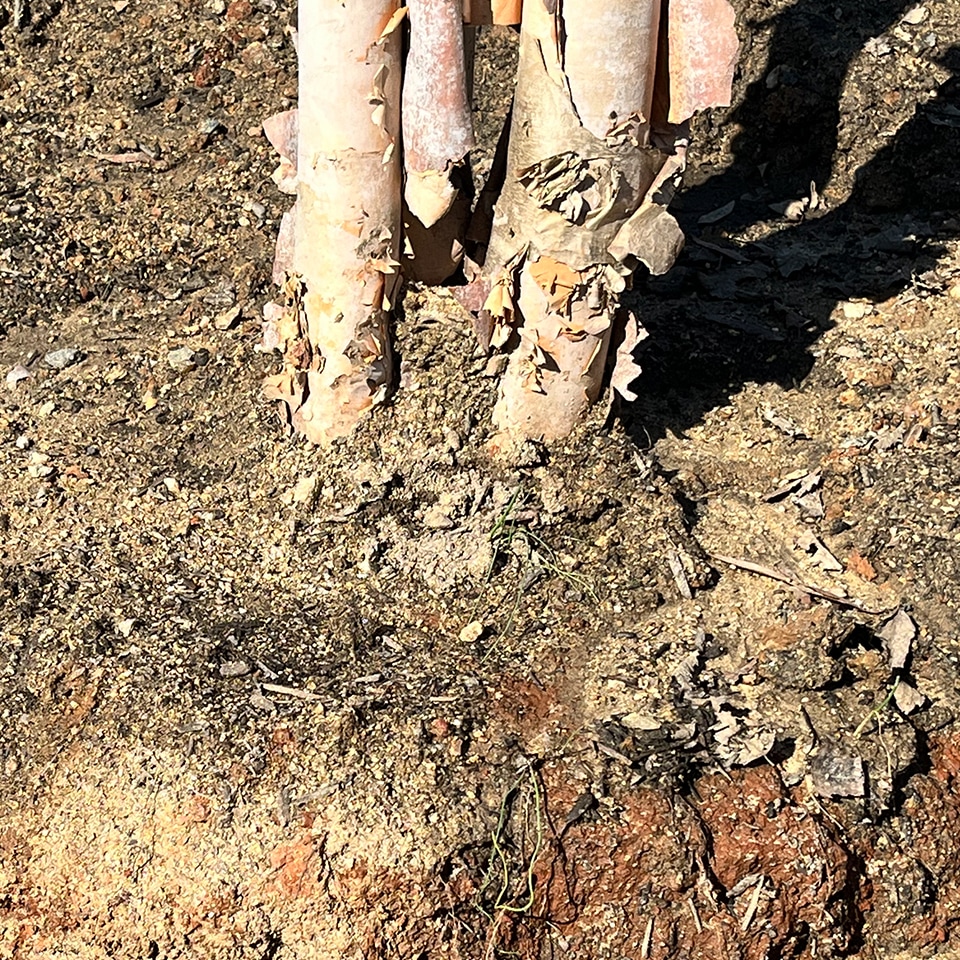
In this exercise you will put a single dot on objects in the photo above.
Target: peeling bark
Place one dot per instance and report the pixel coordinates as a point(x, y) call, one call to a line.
point(589, 179)
point(346, 226)
point(700, 56)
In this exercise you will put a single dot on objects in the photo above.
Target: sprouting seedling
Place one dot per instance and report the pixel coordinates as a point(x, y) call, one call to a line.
point(507, 532)
point(512, 874)
point(877, 709)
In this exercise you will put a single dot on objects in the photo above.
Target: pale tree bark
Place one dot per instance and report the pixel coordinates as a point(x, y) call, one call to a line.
point(346, 224)
point(437, 137)
point(595, 152)
point(437, 124)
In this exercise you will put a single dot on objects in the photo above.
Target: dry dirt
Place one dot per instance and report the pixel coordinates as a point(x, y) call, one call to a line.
point(398, 699)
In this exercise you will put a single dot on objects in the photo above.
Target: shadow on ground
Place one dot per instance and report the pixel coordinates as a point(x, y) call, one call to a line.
point(753, 293)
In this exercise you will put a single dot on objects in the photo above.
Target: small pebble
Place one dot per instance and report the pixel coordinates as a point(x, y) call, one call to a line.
point(182, 360)
point(60, 359)
point(915, 16)
point(472, 632)
point(496, 365)
point(260, 702)
point(234, 668)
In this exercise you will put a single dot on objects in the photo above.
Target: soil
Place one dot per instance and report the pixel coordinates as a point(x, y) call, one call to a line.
point(682, 686)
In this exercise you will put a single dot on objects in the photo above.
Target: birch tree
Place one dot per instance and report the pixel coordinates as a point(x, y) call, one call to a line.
point(437, 138)
point(597, 145)
point(345, 229)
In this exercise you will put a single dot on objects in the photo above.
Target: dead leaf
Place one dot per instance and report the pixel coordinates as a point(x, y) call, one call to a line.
point(810, 506)
point(908, 698)
point(715, 216)
point(800, 482)
point(783, 424)
point(625, 368)
point(226, 320)
point(149, 398)
point(820, 555)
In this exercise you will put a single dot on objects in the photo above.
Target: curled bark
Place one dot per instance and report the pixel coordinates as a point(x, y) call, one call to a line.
point(346, 227)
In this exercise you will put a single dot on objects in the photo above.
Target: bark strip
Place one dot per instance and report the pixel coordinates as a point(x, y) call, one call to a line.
point(334, 331)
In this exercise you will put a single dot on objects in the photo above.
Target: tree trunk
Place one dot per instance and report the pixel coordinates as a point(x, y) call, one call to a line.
point(585, 198)
point(346, 229)
point(437, 124)
point(437, 137)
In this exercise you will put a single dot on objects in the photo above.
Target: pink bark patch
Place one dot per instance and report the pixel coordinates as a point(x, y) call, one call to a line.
point(702, 55)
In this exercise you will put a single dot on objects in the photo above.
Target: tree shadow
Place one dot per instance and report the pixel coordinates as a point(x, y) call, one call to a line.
point(730, 314)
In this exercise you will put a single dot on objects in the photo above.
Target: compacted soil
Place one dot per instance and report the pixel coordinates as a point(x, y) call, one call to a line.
point(685, 685)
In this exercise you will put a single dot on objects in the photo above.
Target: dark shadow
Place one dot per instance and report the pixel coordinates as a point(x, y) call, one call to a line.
point(730, 314)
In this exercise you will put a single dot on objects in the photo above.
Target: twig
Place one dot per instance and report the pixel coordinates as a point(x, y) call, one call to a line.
point(290, 691)
point(807, 588)
point(752, 908)
point(135, 156)
point(647, 937)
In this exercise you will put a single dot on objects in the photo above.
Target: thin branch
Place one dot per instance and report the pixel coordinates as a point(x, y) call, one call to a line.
point(807, 588)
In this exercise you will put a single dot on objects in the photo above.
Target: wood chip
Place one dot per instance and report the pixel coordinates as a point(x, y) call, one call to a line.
point(679, 576)
point(898, 634)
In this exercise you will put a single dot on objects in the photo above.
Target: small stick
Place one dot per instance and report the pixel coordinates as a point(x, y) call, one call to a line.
point(135, 156)
point(696, 916)
point(752, 908)
point(290, 691)
point(647, 937)
point(807, 588)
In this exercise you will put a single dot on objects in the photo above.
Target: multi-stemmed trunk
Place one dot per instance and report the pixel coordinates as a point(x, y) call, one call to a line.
point(597, 145)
